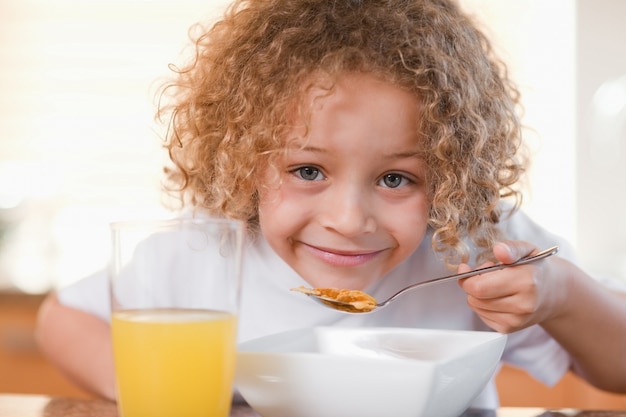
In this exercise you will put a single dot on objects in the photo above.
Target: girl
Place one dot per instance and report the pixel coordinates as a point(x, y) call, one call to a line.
point(368, 144)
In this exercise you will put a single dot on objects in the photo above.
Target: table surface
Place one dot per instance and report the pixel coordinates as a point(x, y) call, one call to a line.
point(19, 405)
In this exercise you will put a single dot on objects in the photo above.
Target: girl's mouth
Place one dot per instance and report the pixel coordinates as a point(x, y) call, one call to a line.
point(341, 258)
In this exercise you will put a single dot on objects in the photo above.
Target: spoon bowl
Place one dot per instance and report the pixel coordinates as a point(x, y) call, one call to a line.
point(354, 301)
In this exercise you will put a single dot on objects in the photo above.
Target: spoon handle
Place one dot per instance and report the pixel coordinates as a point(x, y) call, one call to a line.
point(527, 259)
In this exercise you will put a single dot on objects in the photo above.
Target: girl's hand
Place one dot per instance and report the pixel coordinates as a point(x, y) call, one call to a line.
point(586, 318)
point(514, 298)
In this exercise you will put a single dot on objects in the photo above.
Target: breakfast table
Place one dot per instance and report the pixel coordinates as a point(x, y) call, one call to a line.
point(26, 405)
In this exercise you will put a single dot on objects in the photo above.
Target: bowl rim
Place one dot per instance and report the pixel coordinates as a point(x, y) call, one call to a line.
point(262, 346)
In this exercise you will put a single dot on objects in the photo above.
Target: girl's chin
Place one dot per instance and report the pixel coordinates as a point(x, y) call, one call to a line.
point(332, 279)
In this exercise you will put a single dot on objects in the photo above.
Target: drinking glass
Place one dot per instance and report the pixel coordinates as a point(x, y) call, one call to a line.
point(175, 287)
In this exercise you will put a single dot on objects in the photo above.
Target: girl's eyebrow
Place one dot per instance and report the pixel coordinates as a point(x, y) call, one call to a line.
point(306, 148)
point(395, 155)
point(407, 154)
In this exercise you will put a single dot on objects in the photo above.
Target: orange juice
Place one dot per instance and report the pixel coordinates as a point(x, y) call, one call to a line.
point(174, 363)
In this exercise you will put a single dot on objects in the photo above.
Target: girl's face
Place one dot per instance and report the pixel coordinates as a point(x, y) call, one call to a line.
point(350, 202)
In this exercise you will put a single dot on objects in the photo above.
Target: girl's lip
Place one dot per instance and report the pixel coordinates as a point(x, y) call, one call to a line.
point(342, 258)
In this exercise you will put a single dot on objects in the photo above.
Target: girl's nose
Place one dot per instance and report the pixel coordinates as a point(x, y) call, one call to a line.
point(349, 212)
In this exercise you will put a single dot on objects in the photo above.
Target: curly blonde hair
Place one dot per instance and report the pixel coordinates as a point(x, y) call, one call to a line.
point(228, 107)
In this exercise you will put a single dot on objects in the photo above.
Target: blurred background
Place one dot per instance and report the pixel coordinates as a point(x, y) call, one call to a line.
point(78, 145)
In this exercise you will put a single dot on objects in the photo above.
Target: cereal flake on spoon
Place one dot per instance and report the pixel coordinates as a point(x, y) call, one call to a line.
point(351, 300)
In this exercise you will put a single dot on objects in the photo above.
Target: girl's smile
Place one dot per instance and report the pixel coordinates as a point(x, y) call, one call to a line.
point(350, 202)
point(341, 258)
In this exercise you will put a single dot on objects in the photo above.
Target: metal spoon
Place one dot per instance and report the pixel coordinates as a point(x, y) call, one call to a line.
point(369, 305)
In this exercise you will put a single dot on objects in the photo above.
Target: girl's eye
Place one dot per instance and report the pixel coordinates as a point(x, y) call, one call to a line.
point(393, 180)
point(309, 173)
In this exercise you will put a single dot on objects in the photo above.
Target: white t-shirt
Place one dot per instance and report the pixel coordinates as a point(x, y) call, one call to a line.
point(268, 305)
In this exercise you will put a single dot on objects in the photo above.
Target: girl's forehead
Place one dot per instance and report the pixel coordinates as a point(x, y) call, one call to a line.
point(321, 85)
point(359, 104)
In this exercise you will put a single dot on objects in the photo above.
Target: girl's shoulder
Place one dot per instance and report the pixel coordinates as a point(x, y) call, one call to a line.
point(518, 225)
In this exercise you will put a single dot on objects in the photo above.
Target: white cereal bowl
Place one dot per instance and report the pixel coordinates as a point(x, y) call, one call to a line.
point(366, 372)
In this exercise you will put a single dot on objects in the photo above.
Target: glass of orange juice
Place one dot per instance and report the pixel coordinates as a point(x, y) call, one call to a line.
point(175, 288)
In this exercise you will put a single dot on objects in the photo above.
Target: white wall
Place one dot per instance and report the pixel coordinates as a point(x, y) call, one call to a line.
point(601, 119)
point(536, 39)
